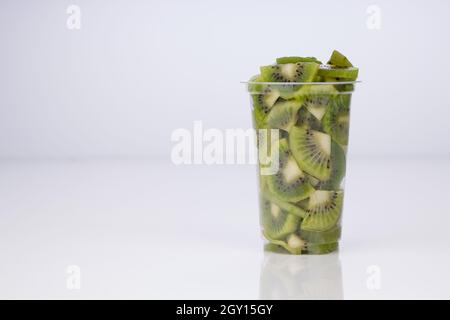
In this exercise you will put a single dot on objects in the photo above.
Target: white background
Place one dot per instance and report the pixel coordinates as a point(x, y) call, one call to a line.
point(85, 171)
point(138, 69)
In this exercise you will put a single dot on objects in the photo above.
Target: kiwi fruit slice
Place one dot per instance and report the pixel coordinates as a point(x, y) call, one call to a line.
point(306, 119)
point(290, 183)
point(276, 221)
point(312, 151)
point(253, 86)
point(290, 72)
point(324, 210)
point(336, 120)
point(328, 71)
point(262, 103)
point(337, 170)
point(294, 244)
point(321, 237)
point(284, 60)
point(286, 206)
point(317, 98)
point(283, 114)
point(339, 60)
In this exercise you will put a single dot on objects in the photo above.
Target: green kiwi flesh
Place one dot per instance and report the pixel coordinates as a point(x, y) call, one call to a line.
point(307, 120)
point(283, 115)
point(312, 151)
point(339, 60)
point(262, 103)
point(290, 183)
point(276, 221)
point(338, 165)
point(321, 237)
point(336, 119)
point(290, 72)
point(324, 210)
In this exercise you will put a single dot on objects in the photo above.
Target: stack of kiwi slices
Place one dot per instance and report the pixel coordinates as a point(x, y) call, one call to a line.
point(309, 103)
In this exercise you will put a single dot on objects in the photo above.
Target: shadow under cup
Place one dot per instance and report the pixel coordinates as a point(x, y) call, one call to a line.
point(302, 135)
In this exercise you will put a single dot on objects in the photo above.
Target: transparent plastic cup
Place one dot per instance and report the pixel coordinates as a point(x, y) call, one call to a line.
point(302, 135)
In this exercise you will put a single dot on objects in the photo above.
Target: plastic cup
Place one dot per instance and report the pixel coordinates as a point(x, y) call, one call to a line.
point(302, 135)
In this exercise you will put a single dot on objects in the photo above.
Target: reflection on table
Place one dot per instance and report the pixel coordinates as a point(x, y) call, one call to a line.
point(304, 277)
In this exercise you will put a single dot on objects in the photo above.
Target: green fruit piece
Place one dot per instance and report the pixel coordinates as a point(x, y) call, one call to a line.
point(275, 248)
point(289, 183)
point(337, 170)
point(312, 151)
point(277, 222)
point(312, 248)
point(339, 60)
point(336, 120)
point(306, 119)
point(318, 79)
point(290, 72)
point(345, 87)
point(322, 237)
point(284, 60)
point(293, 243)
point(317, 98)
point(253, 86)
point(328, 71)
point(283, 115)
point(286, 206)
point(262, 103)
point(324, 210)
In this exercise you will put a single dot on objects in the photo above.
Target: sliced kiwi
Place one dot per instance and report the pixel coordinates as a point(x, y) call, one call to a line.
point(328, 71)
point(253, 86)
point(294, 244)
point(290, 183)
point(283, 114)
point(339, 60)
point(306, 119)
point(316, 98)
point(324, 210)
point(262, 103)
point(290, 72)
point(284, 60)
point(286, 206)
point(312, 151)
point(276, 221)
point(337, 170)
point(344, 87)
point(336, 120)
point(321, 237)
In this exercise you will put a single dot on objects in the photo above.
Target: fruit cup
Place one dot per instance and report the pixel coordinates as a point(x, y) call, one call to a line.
point(301, 111)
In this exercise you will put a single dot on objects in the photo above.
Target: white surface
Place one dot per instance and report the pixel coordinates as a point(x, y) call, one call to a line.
point(139, 69)
point(148, 229)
